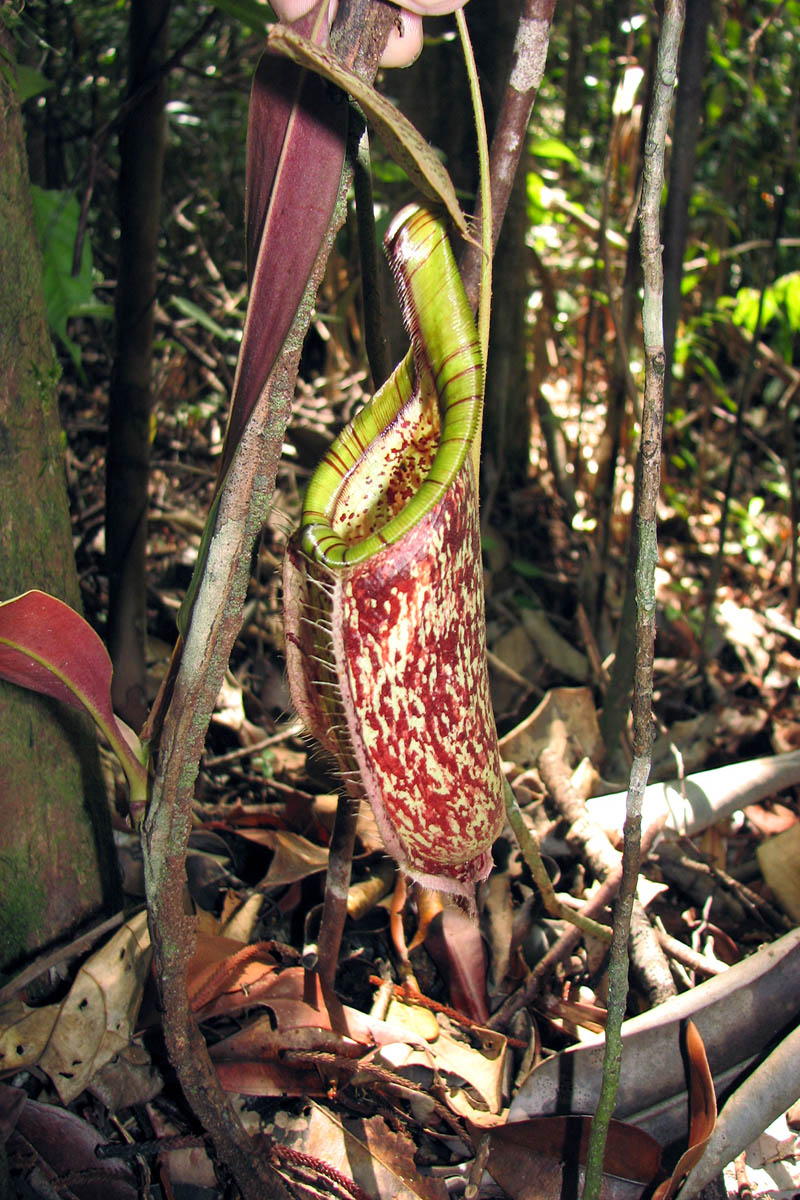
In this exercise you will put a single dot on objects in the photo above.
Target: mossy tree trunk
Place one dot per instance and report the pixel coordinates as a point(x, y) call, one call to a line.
point(55, 847)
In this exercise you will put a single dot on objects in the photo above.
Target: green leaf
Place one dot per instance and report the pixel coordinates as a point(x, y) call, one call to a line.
point(553, 148)
point(707, 363)
point(536, 206)
point(527, 570)
point(745, 313)
point(188, 309)
point(386, 171)
point(31, 82)
point(791, 298)
point(56, 215)
point(255, 14)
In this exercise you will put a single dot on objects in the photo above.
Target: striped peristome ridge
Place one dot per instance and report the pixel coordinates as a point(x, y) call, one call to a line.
point(449, 372)
point(383, 589)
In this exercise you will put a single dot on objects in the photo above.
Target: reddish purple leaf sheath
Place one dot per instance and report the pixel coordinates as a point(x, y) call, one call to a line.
point(296, 141)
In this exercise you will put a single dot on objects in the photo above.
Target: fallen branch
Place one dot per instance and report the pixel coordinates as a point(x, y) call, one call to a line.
point(647, 958)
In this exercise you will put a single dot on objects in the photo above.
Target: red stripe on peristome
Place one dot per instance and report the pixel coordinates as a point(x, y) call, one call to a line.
point(471, 369)
point(461, 348)
point(354, 434)
point(453, 404)
point(336, 463)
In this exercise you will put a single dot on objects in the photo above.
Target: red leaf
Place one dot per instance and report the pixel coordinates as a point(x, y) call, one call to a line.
point(60, 1144)
point(48, 647)
point(455, 944)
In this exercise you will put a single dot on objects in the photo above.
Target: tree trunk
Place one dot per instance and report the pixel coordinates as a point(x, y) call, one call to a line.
point(506, 422)
point(130, 401)
point(56, 866)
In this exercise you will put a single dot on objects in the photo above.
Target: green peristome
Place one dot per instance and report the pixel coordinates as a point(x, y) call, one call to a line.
point(357, 503)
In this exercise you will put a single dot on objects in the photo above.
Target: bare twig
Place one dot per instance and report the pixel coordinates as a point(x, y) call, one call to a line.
point(701, 262)
point(599, 853)
point(54, 958)
point(688, 957)
point(650, 463)
point(264, 743)
point(742, 1182)
point(530, 852)
point(647, 958)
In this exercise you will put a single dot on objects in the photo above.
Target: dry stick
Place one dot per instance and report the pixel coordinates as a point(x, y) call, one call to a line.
point(756, 905)
point(647, 957)
point(650, 457)
point(70, 950)
point(533, 859)
point(215, 624)
point(688, 957)
point(597, 903)
point(275, 739)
